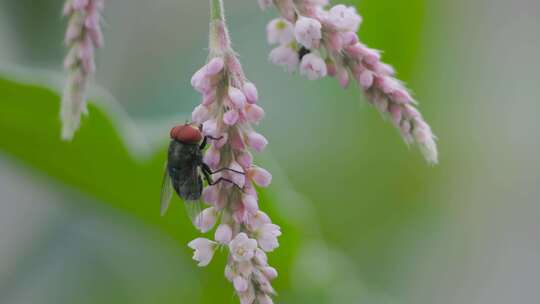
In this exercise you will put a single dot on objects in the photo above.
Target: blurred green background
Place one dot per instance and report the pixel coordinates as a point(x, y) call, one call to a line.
point(364, 219)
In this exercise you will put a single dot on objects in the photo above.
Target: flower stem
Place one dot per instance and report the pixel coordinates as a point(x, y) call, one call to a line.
point(219, 36)
point(216, 9)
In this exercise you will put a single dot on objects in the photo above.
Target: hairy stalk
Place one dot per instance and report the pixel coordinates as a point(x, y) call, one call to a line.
point(82, 37)
point(320, 41)
point(228, 111)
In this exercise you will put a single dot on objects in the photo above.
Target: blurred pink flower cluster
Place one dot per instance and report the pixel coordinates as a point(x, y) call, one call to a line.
point(320, 41)
point(227, 113)
point(83, 36)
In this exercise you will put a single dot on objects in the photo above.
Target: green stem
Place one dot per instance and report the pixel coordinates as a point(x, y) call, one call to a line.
point(219, 36)
point(216, 9)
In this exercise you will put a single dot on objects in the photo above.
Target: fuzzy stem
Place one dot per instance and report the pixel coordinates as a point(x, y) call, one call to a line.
point(219, 35)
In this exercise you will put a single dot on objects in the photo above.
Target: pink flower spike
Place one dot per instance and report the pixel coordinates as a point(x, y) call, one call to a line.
point(250, 90)
point(237, 98)
point(254, 113)
point(256, 141)
point(223, 234)
point(230, 117)
point(260, 176)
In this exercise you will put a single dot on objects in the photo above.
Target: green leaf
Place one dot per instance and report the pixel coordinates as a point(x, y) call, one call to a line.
point(98, 164)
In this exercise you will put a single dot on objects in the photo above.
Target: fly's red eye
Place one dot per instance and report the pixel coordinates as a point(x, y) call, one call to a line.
point(186, 134)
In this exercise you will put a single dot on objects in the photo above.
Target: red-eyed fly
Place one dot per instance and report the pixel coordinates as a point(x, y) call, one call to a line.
point(185, 166)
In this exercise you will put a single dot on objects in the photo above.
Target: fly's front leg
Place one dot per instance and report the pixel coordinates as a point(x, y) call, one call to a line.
point(205, 141)
point(227, 169)
point(207, 175)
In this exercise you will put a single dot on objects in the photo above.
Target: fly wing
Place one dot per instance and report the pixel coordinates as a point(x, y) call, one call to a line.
point(166, 191)
point(192, 190)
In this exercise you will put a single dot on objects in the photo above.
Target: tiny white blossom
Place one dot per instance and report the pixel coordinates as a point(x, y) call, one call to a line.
point(313, 67)
point(242, 247)
point(204, 250)
point(279, 31)
point(267, 237)
point(344, 18)
point(223, 234)
point(284, 56)
point(308, 32)
point(206, 220)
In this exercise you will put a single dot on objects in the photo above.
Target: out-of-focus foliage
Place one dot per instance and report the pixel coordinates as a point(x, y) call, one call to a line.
point(97, 163)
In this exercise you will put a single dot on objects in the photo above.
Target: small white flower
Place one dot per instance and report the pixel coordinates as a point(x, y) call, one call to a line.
point(242, 247)
point(267, 236)
point(223, 234)
point(279, 31)
point(257, 220)
point(284, 56)
point(313, 67)
point(308, 32)
point(344, 18)
point(240, 284)
point(204, 250)
point(206, 220)
point(260, 257)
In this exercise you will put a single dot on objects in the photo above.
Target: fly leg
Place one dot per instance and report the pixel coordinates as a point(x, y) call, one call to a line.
point(207, 176)
point(227, 169)
point(205, 141)
point(209, 171)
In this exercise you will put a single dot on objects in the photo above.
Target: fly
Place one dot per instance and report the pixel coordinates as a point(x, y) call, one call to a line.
point(185, 169)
